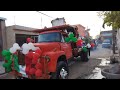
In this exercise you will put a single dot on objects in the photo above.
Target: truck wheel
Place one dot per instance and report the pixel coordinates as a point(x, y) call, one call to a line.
point(62, 71)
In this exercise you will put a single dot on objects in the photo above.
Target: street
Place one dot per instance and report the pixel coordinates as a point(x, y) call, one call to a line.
point(83, 70)
point(87, 70)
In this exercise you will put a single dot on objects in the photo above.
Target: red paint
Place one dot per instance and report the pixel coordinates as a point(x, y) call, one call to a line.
point(38, 66)
point(79, 42)
point(38, 73)
point(35, 58)
point(32, 71)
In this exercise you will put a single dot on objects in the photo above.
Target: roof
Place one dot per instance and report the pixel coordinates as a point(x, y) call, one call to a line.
point(61, 27)
point(109, 31)
point(23, 28)
point(1, 18)
point(79, 25)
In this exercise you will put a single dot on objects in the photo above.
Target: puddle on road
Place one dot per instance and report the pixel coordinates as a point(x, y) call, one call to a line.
point(96, 73)
point(104, 62)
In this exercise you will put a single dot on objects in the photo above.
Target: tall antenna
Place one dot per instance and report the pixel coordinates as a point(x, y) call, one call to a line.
point(14, 21)
point(41, 21)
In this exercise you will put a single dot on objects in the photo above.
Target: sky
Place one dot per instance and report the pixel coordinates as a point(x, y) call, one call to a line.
point(88, 19)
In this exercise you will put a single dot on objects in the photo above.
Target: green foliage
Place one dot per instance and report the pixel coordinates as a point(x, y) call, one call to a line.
point(111, 18)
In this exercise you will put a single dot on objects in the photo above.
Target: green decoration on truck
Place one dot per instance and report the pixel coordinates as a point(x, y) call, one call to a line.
point(84, 49)
point(71, 38)
point(8, 61)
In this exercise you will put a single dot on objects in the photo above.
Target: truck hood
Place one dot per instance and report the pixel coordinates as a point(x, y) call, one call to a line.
point(48, 46)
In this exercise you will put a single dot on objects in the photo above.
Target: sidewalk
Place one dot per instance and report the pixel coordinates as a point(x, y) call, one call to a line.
point(116, 55)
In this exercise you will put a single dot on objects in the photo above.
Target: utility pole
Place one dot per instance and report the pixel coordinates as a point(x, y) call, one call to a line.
point(113, 32)
point(14, 21)
point(44, 15)
point(41, 21)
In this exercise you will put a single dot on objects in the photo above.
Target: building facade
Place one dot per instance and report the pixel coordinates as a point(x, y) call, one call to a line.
point(106, 35)
point(19, 34)
point(81, 30)
point(2, 35)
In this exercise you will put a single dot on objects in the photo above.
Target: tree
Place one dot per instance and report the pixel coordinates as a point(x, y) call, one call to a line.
point(111, 18)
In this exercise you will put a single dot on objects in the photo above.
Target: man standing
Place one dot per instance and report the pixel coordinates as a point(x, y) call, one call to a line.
point(30, 40)
point(88, 47)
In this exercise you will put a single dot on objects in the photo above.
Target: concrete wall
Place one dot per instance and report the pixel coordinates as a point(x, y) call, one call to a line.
point(10, 37)
point(2, 36)
point(81, 30)
point(11, 32)
point(3, 28)
point(25, 32)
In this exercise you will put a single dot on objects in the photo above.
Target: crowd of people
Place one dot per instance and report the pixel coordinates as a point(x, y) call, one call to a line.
point(89, 44)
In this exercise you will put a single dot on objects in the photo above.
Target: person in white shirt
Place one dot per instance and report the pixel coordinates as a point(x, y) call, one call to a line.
point(88, 47)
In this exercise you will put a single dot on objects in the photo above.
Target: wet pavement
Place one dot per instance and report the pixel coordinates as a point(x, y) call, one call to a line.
point(103, 55)
point(96, 73)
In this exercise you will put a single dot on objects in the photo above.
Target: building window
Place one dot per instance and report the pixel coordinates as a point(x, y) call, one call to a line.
point(21, 38)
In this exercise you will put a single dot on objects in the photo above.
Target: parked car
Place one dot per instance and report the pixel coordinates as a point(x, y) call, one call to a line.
point(106, 44)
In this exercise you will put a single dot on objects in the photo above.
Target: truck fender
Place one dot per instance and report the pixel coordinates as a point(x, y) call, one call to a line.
point(53, 59)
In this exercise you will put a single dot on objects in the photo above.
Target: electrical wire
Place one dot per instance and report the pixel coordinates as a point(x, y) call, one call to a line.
point(45, 14)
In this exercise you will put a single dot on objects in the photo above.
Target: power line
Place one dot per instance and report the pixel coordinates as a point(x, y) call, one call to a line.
point(45, 14)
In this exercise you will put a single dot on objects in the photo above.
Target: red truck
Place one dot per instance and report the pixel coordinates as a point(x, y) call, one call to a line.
point(56, 53)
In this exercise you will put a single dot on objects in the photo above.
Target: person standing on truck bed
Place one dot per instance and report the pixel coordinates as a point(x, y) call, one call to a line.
point(92, 45)
point(30, 40)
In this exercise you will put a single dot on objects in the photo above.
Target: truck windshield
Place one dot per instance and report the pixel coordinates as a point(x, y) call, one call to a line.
point(49, 37)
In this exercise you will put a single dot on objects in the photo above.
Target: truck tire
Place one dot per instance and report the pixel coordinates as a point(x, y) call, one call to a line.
point(62, 71)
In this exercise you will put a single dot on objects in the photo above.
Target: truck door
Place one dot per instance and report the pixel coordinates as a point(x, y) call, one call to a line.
point(66, 47)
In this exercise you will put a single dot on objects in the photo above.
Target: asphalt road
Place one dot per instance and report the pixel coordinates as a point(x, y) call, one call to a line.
point(80, 70)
